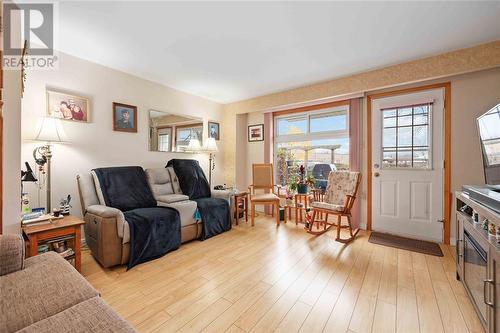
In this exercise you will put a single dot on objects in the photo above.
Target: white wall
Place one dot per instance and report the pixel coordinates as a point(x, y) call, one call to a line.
point(11, 145)
point(95, 144)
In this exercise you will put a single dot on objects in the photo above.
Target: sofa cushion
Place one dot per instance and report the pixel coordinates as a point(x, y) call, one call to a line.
point(92, 315)
point(160, 182)
point(185, 208)
point(175, 181)
point(125, 188)
point(87, 190)
point(171, 198)
point(46, 286)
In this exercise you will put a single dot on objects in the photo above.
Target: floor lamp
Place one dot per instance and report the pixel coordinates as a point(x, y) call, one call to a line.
point(50, 131)
point(211, 148)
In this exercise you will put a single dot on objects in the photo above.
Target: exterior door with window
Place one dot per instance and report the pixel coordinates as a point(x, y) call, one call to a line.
point(407, 164)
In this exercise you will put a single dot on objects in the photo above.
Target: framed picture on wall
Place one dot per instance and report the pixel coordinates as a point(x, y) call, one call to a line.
point(124, 117)
point(67, 106)
point(256, 133)
point(214, 130)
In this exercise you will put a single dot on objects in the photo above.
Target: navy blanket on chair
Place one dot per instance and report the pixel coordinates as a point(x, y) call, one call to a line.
point(154, 231)
point(215, 212)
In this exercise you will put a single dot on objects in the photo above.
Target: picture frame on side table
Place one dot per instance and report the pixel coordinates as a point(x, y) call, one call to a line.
point(124, 118)
point(256, 133)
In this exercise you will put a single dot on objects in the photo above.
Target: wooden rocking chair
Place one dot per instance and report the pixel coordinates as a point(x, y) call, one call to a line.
point(338, 200)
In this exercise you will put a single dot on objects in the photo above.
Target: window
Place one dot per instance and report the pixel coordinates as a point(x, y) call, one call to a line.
point(164, 139)
point(185, 133)
point(406, 137)
point(319, 137)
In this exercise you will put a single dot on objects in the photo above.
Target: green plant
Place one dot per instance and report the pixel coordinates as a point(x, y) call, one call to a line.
point(310, 180)
point(292, 183)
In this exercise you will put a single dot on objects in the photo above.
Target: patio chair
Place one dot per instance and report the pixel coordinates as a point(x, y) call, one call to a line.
point(338, 200)
point(263, 179)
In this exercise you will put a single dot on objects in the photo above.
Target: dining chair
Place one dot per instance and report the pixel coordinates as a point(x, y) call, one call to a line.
point(263, 181)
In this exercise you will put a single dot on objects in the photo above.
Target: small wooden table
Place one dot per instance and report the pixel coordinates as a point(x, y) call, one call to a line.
point(301, 205)
point(241, 198)
point(67, 228)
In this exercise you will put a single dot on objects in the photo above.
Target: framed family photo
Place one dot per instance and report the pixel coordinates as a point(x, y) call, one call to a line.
point(67, 106)
point(214, 130)
point(256, 133)
point(124, 117)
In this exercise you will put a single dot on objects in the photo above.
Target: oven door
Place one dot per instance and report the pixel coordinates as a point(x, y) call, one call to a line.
point(475, 272)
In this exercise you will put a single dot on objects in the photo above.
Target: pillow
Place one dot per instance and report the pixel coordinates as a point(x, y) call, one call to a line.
point(124, 188)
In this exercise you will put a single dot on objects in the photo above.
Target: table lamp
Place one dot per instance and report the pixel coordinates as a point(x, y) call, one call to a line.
point(211, 148)
point(49, 131)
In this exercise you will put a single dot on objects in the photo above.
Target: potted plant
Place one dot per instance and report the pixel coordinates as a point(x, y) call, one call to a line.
point(302, 186)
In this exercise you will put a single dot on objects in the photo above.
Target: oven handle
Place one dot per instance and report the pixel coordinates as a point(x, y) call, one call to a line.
point(485, 284)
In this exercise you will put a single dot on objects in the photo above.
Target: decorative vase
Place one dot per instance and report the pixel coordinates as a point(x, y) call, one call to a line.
point(302, 188)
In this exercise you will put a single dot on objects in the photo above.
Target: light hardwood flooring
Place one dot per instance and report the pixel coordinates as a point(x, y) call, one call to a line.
point(269, 279)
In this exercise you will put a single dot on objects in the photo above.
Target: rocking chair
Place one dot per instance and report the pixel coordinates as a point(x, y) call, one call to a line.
point(338, 200)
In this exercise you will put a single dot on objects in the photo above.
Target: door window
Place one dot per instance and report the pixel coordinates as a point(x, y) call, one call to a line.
point(406, 137)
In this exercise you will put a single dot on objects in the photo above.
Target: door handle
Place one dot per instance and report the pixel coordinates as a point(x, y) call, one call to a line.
point(485, 283)
point(376, 174)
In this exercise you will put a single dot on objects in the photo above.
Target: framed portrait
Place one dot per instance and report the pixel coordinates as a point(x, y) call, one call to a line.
point(256, 133)
point(124, 117)
point(67, 106)
point(214, 130)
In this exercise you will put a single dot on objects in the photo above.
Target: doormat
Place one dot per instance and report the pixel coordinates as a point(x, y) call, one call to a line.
point(404, 243)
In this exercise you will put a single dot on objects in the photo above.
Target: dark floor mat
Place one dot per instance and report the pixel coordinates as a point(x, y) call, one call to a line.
point(404, 243)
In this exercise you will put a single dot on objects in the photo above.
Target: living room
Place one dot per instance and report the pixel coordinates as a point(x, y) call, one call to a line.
point(250, 166)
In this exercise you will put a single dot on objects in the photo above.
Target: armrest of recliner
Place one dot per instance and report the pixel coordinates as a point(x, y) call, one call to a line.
point(223, 194)
point(109, 212)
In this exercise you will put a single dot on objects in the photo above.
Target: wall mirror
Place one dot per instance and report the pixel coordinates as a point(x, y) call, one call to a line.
point(170, 132)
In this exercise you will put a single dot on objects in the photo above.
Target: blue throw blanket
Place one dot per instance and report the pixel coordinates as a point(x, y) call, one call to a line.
point(215, 212)
point(154, 231)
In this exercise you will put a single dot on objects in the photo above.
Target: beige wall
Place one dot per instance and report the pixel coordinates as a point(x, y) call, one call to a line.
point(11, 146)
point(95, 144)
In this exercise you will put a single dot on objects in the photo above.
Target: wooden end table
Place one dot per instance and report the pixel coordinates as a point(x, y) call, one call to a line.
point(67, 229)
point(301, 205)
point(241, 198)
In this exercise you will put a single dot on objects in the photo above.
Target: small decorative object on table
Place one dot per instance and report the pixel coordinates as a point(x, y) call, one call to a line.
point(64, 206)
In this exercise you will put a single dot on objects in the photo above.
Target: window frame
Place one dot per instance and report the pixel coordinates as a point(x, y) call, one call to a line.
point(430, 116)
point(308, 136)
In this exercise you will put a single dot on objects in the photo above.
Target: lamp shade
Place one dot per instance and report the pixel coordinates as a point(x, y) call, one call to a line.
point(211, 145)
point(193, 146)
point(50, 130)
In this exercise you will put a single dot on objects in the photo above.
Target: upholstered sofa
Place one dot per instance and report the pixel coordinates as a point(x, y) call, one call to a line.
point(45, 294)
point(106, 230)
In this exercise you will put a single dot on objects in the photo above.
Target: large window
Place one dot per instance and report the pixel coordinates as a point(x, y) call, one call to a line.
point(317, 139)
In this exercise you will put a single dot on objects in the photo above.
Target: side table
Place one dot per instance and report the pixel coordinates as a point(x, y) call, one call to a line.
point(65, 229)
point(241, 201)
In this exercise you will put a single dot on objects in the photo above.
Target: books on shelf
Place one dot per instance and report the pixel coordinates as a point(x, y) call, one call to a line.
point(67, 253)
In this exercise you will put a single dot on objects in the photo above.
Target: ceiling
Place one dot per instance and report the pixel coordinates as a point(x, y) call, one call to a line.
point(229, 51)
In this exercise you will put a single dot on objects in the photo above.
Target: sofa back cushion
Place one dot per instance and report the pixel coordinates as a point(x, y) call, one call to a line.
point(87, 191)
point(159, 181)
point(124, 188)
point(11, 253)
point(175, 181)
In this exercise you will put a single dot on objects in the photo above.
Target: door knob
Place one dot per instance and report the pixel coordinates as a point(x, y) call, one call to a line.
point(376, 174)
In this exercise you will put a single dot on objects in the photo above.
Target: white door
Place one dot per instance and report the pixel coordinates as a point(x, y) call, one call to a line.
point(407, 164)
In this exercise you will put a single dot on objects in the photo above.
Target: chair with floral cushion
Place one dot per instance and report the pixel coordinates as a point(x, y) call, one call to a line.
point(338, 200)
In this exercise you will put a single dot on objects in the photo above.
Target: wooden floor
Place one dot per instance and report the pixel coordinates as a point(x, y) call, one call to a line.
point(268, 279)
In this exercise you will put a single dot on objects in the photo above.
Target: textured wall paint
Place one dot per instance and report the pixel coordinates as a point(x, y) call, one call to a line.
point(472, 59)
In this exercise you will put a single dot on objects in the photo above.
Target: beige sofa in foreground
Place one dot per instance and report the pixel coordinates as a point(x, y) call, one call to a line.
point(46, 294)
